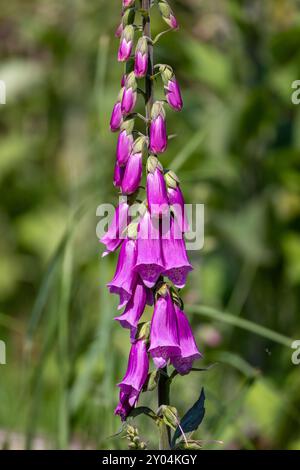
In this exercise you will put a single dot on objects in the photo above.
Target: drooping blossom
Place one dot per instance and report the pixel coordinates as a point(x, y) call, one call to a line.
point(124, 279)
point(125, 142)
point(157, 196)
point(167, 14)
point(134, 309)
point(177, 265)
point(176, 200)
point(129, 96)
point(149, 262)
point(116, 115)
point(126, 43)
point(141, 58)
point(114, 235)
point(158, 132)
point(134, 379)
point(164, 341)
point(134, 167)
point(188, 347)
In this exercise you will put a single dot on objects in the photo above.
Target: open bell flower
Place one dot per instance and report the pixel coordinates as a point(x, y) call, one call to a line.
point(134, 309)
point(158, 131)
point(124, 279)
point(125, 142)
point(149, 262)
point(134, 167)
point(157, 196)
point(188, 347)
point(129, 96)
point(141, 58)
point(134, 379)
point(177, 265)
point(176, 200)
point(164, 340)
point(113, 237)
point(126, 43)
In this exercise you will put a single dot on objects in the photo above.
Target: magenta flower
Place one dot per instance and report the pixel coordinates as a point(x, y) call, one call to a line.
point(118, 175)
point(134, 379)
point(128, 3)
point(113, 237)
point(141, 58)
point(164, 341)
point(188, 348)
point(176, 201)
point(116, 117)
point(158, 132)
point(177, 265)
point(125, 142)
point(125, 277)
point(173, 95)
point(126, 43)
point(172, 21)
point(134, 309)
point(134, 167)
point(129, 95)
point(119, 30)
point(149, 262)
point(157, 196)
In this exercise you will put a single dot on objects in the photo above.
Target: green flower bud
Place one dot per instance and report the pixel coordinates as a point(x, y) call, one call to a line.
point(166, 73)
point(158, 109)
point(171, 179)
point(128, 125)
point(128, 17)
point(140, 146)
point(131, 81)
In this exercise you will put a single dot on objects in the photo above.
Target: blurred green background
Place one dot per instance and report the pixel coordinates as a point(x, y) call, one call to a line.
point(236, 151)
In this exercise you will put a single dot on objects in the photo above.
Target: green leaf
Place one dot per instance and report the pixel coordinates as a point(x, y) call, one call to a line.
point(192, 419)
point(143, 410)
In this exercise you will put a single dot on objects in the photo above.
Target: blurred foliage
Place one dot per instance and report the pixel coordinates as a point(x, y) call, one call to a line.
point(236, 151)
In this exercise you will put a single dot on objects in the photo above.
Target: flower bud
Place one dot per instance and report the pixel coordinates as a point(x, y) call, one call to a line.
point(158, 132)
point(125, 142)
point(172, 89)
point(141, 58)
point(128, 3)
point(126, 43)
point(128, 17)
point(129, 95)
point(171, 179)
point(167, 14)
point(152, 164)
point(116, 115)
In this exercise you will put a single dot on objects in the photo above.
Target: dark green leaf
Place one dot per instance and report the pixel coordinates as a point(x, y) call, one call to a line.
point(192, 419)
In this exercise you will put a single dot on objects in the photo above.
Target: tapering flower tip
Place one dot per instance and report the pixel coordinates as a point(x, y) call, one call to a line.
point(188, 347)
point(134, 379)
point(172, 89)
point(177, 265)
point(141, 58)
point(167, 14)
point(125, 278)
point(119, 30)
point(134, 309)
point(123, 80)
point(118, 175)
point(116, 115)
point(113, 237)
point(126, 43)
point(164, 341)
point(149, 263)
point(176, 200)
point(129, 95)
point(157, 196)
point(125, 142)
point(134, 167)
point(158, 131)
point(128, 3)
